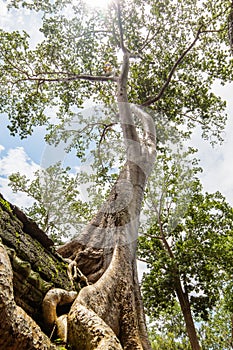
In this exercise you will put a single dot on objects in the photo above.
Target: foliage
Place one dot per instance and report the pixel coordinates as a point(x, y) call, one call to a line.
point(167, 331)
point(58, 209)
point(216, 333)
point(198, 245)
point(187, 240)
point(177, 52)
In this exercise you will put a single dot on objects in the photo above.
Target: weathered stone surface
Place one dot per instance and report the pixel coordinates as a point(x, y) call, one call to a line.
point(37, 267)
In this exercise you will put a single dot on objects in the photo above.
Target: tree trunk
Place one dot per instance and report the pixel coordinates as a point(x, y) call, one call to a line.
point(108, 313)
point(186, 310)
point(114, 297)
point(183, 298)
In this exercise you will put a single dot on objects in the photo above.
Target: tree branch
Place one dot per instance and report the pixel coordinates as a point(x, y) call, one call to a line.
point(149, 40)
point(170, 75)
point(60, 76)
point(119, 16)
point(125, 114)
point(68, 78)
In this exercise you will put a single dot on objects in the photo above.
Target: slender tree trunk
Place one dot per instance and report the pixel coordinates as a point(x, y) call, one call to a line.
point(182, 297)
point(231, 342)
point(186, 310)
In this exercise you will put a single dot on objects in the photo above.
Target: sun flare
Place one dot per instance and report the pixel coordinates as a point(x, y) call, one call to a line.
point(98, 3)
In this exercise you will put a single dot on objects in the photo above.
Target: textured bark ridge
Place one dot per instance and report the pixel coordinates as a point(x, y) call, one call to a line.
point(112, 301)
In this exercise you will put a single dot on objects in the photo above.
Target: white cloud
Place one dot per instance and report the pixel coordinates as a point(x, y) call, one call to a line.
point(217, 162)
point(1, 148)
point(16, 160)
point(218, 170)
point(21, 19)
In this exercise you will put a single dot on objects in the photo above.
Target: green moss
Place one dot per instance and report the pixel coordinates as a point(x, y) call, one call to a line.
point(60, 345)
point(17, 235)
point(5, 205)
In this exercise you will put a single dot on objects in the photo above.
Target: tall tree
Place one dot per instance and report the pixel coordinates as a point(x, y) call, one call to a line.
point(171, 55)
point(186, 251)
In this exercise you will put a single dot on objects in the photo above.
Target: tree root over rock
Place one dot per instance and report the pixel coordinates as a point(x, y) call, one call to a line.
point(88, 331)
point(54, 298)
point(105, 314)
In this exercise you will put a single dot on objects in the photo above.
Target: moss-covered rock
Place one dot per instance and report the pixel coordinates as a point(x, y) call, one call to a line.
point(37, 267)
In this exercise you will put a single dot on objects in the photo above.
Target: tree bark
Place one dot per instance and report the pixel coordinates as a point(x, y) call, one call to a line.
point(114, 297)
point(186, 310)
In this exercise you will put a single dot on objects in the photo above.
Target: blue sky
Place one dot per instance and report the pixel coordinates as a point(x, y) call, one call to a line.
point(33, 145)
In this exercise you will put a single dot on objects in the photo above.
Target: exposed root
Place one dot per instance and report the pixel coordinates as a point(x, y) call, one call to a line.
point(88, 331)
point(75, 273)
point(53, 298)
point(62, 328)
point(105, 313)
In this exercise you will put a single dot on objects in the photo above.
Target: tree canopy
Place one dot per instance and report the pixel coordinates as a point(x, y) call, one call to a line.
point(177, 50)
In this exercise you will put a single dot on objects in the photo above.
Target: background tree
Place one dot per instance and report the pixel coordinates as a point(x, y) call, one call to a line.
point(167, 330)
point(58, 209)
point(171, 55)
point(216, 333)
point(185, 250)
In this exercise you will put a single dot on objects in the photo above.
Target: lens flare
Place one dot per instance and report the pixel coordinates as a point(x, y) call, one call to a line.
point(98, 3)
